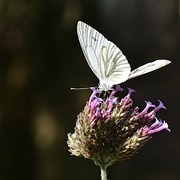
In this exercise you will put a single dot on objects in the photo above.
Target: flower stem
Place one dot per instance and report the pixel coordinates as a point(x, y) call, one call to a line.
point(103, 173)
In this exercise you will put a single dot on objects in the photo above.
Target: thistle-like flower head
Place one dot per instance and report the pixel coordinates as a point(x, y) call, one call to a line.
point(111, 130)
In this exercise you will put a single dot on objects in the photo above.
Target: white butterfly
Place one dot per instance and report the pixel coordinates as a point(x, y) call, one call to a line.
point(107, 61)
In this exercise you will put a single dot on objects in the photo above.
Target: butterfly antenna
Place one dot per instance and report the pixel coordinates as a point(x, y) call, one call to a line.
point(79, 88)
point(83, 88)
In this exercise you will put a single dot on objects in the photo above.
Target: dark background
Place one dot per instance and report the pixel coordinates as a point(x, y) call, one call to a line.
point(40, 59)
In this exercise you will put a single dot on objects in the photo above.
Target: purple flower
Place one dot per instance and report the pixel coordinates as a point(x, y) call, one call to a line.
point(109, 129)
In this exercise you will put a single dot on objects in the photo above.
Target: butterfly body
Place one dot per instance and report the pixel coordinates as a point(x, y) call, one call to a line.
point(107, 61)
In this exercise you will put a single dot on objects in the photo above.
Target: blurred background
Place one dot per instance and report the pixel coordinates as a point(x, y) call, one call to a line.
point(41, 59)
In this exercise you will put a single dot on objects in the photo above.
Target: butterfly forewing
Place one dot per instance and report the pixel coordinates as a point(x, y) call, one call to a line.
point(91, 43)
point(146, 68)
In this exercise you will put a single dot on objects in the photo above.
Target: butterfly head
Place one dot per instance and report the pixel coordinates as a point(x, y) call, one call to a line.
point(104, 86)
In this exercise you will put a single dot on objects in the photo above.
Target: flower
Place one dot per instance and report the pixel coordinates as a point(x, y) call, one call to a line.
point(109, 129)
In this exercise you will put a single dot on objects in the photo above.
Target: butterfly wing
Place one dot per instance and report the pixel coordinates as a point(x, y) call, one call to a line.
point(104, 58)
point(148, 68)
point(114, 67)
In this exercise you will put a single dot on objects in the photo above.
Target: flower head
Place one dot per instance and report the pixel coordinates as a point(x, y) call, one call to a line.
point(111, 130)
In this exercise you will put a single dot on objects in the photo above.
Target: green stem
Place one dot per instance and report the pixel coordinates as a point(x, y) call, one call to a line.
point(103, 173)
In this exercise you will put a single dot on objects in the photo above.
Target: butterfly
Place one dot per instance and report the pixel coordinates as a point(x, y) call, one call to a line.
point(107, 61)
